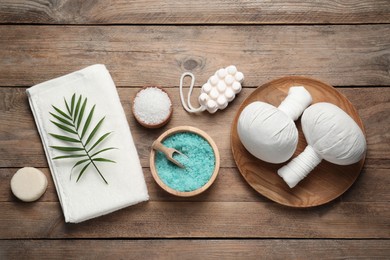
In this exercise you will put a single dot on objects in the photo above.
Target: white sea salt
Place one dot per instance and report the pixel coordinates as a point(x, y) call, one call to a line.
point(152, 106)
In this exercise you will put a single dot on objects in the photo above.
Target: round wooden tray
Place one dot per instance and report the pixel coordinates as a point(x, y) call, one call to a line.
point(327, 181)
point(181, 129)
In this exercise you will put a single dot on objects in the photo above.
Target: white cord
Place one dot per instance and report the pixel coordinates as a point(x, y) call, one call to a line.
point(187, 106)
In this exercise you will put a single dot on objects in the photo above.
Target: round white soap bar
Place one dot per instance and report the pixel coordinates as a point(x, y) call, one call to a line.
point(28, 184)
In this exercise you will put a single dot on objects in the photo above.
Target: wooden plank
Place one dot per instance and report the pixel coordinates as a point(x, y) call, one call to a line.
point(200, 220)
point(195, 249)
point(371, 186)
point(343, 55)
point(185, 12)
point(20, 144)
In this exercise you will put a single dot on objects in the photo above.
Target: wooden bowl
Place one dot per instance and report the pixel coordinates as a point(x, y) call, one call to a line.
point(327, 181)
point(152, 126)
point(185, 129)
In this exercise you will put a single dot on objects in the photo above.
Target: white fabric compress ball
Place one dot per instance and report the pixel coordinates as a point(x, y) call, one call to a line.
point(269, 133)
point(332, 135)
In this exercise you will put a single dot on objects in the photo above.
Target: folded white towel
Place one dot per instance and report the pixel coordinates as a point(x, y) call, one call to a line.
point(90, 196)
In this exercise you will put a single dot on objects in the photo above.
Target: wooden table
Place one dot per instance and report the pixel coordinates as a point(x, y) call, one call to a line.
point(343, 43)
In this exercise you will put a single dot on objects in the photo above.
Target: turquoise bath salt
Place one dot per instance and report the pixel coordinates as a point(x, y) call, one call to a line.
point(198, 161)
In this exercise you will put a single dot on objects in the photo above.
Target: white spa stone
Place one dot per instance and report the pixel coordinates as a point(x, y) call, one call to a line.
point(28, 184)
point(269, 133)
point(331, 135)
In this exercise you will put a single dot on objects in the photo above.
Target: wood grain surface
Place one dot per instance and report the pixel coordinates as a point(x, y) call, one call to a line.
point(190, 12)
point(344, 55)
point(201, 219)
point(343, 43)
point(197, 249)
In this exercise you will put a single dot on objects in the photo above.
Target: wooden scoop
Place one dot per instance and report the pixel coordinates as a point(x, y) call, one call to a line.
point(168, 152)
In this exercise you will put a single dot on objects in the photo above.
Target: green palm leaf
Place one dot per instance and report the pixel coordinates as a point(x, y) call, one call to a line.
point(68, 149)
point(62, 113)
point(103, 160)
point(65, 138)
point(72, 105)
point(61, 119)
point(82, 171)
point(87, 122)
point(70, 123)
point(65, 128)
point(67, 107)
point(77, 164)
point(80, 117)
point(80, 162)
point(76, 112)
point(92, 134)
point(103, 150)
point(99, 141)
point(70, 156)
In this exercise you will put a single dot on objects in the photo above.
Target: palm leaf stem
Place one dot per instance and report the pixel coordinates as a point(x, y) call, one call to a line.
point(75, 116)
point(97, 169)
point(89, 157)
